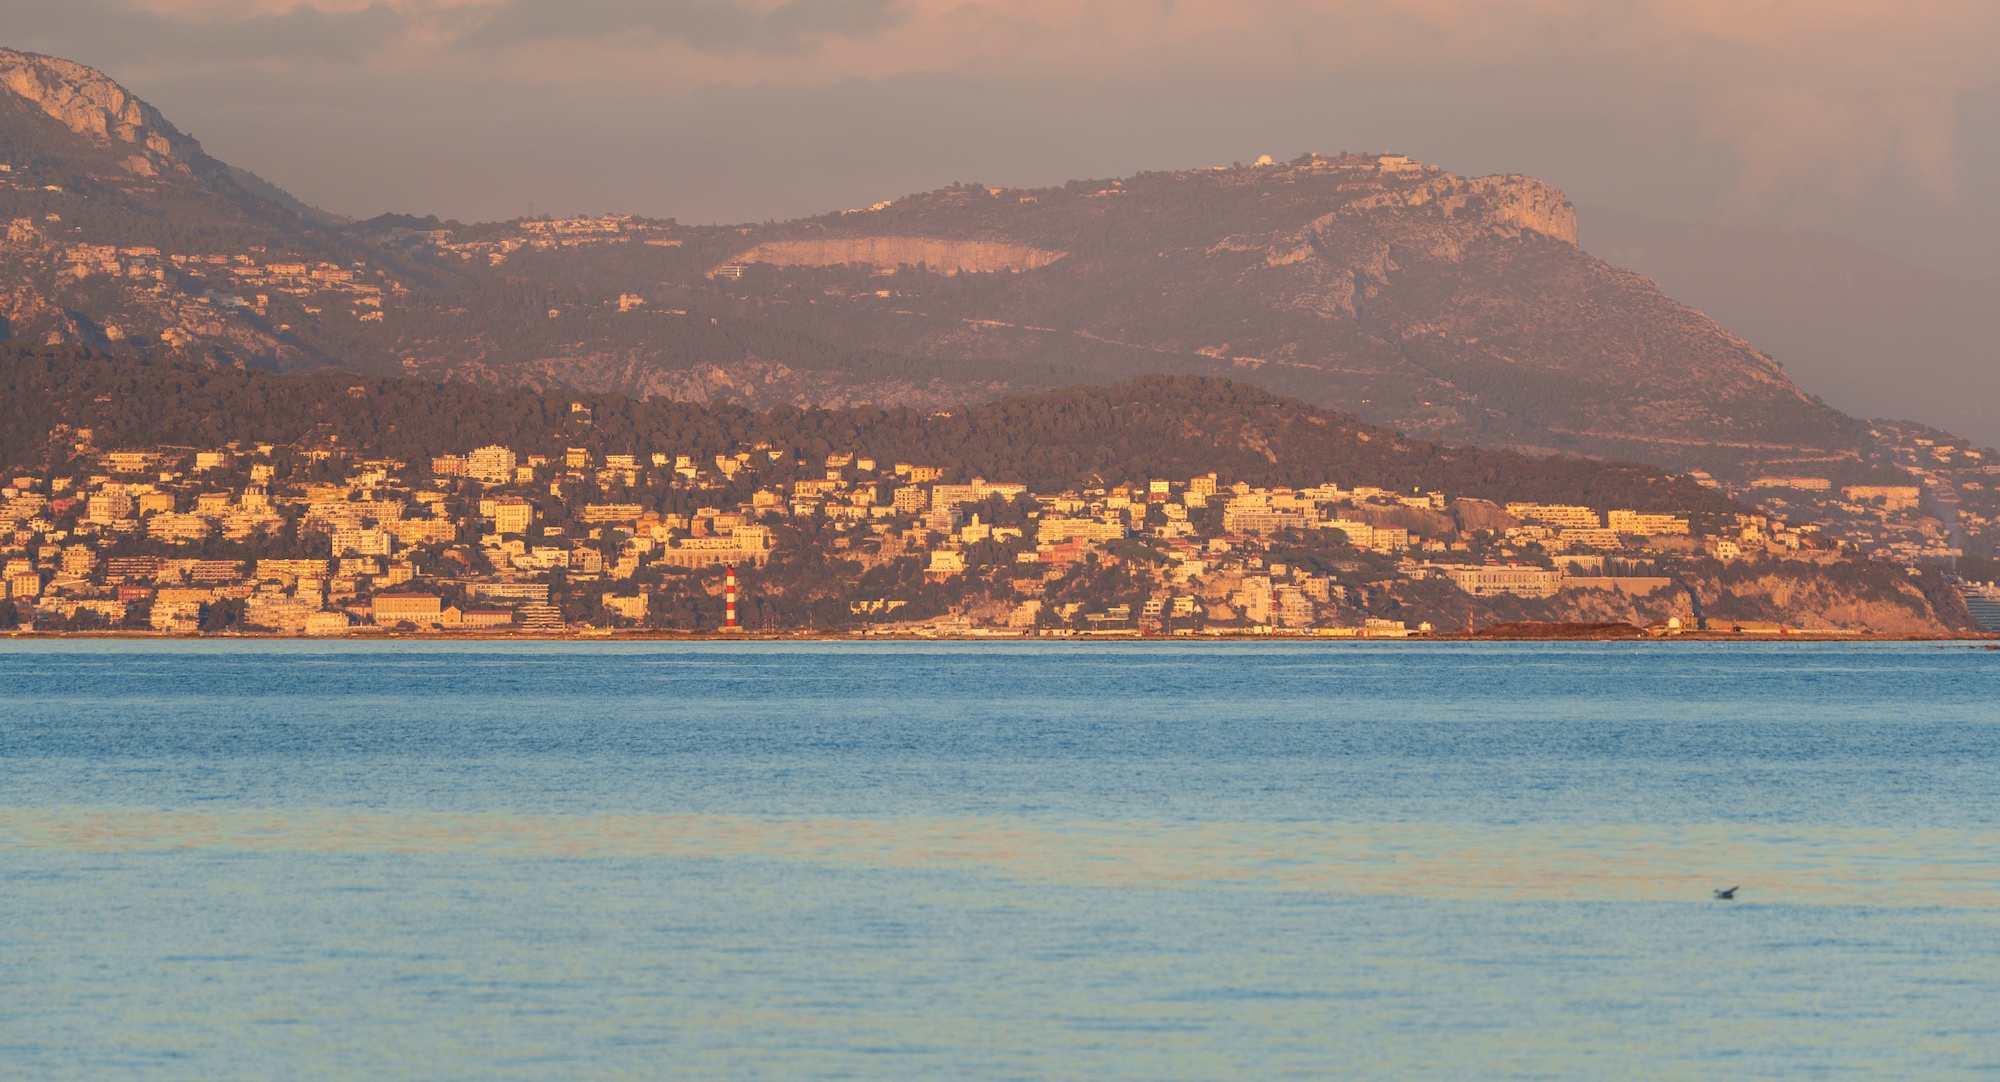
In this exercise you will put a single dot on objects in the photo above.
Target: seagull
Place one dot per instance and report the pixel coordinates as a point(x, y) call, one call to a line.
point(1725, 895)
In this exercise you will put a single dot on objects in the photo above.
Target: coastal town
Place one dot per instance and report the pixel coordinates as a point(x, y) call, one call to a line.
point(319, 540)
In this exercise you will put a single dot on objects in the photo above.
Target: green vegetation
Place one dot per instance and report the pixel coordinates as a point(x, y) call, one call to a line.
point(1152, 427)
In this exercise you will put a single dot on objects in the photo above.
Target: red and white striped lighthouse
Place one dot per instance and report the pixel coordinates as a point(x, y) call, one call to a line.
point(729, 599)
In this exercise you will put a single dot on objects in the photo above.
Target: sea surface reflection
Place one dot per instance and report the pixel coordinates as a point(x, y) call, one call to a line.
point(419, 860)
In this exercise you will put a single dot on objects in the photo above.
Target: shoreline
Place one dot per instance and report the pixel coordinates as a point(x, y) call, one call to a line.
point(668, 635)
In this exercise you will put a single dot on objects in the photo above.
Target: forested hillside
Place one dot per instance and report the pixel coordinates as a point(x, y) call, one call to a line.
point(1154, 426)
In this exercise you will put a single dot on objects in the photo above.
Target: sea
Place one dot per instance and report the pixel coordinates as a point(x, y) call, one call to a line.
point(829, 860)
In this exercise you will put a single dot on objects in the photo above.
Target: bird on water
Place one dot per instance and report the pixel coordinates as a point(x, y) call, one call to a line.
point(1725, 895)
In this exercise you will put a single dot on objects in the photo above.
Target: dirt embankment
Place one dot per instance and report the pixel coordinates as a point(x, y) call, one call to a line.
point(937, 253)
point(1805, 595)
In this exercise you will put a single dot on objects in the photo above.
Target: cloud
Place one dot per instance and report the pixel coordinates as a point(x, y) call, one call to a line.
point(128, 36)
point(1829, 95)
point(705, 25)
point(1818, 101)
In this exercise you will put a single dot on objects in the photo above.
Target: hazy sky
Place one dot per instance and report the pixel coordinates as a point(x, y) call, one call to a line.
point(1874, 119)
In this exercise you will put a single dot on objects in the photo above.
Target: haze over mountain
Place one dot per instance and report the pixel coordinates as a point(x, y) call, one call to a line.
point(1873, 334)
point(1451, 308)
point(1880, 122)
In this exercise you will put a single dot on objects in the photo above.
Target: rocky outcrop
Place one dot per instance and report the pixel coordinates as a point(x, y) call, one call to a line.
point(92, 105)
point(1813, 595)
point(1524, 203)
point(939, 254)
point(1476, 515)
point(1824, 594)
point(77, 273)
point(1505, 204)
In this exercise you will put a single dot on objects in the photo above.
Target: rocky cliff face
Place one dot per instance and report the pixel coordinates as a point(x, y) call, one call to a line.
point(122, 234)
point(1505, 205)
point(936, 254)
point(91, 105)
point(1850, 595)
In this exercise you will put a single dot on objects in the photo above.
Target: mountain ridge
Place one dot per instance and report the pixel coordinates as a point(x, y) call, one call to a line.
point(1833, 310)
point(1453, 308)
point(92, 105)
point(1122, 433)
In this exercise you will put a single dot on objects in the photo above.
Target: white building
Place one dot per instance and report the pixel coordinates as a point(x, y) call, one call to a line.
point(492, 464)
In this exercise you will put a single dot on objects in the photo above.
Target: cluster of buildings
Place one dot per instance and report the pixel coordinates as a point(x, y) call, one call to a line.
point(493, 244)
point(167, 537)
point(201, 289)
point(1937, 498)
point(325, 541)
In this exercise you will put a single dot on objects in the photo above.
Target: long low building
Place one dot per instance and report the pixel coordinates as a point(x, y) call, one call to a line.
point(611, 512)
point(419, 609)
point(944, 497)
point(1264, 520)
point(744, 546)
point(1054, 530)
point(509, 591)
point(1591, 538)
point(483, 618)
point(1646, 525)
point(1492, 580)
point(1558, 515)
point(706, 557)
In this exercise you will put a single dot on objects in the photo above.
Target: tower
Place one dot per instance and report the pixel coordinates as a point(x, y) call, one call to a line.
point(729, 599)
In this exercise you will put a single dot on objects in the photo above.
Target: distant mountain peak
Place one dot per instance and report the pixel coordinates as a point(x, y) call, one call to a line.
point(1449, 307)
point(93, 105)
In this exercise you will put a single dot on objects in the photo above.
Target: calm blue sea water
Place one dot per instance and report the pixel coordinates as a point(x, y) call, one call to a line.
point(880, 861)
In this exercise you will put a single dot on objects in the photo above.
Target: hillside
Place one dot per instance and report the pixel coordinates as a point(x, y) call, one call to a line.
point(604, 511)
point(1451, 308)
point(123, 233)
point(1443, 306)
point(1150, 427)
point(1833, 311)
